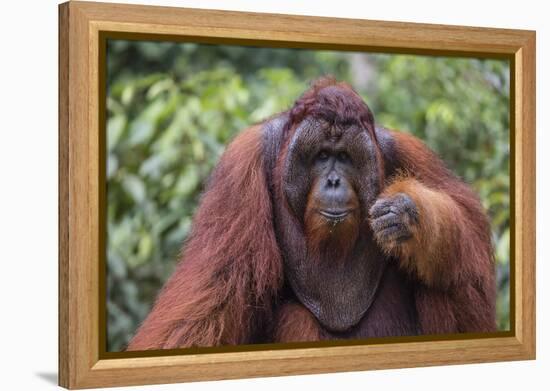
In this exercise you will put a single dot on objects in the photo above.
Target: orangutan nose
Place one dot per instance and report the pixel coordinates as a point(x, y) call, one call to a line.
point(333, 180)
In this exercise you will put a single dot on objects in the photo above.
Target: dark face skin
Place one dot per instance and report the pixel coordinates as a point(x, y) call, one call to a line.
point(333, 195)
point(331, 177)
point(335, 166)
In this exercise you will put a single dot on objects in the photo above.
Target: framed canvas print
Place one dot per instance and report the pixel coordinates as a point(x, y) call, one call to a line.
point(248, 195)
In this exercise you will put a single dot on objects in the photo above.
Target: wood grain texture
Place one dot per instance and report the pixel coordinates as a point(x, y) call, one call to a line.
point(291, 28)
point(63, 178)
point(525, 189)
point(80, 243)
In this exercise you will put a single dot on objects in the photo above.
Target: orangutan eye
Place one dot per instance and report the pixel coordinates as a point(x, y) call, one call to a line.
point(322, 156)
point(343, 157)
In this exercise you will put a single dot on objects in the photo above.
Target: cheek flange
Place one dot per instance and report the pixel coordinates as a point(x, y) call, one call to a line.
point(297, 165)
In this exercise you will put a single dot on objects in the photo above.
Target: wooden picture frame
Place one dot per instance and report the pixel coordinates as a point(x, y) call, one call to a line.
point(83, 28)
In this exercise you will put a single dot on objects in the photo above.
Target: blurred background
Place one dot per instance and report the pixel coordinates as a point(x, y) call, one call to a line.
point(173, 107)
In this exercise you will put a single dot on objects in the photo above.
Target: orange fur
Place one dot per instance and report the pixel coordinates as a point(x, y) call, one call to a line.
point(326, 238)
point(230, 273)
point(425, 254)
point(451, 252)
point(294, 323)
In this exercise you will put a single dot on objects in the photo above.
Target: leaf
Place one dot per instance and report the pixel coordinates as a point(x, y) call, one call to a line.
point(128, 94)
point(159, 87)
point(115, 129)
point(134, 187)
point(112, 165)
point(503, 248)
point(188, 181)
point(115, 264)
point(141, 130)
point(145, 247)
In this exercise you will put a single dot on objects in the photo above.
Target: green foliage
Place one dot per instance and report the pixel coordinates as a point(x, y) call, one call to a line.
point(172, 109)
